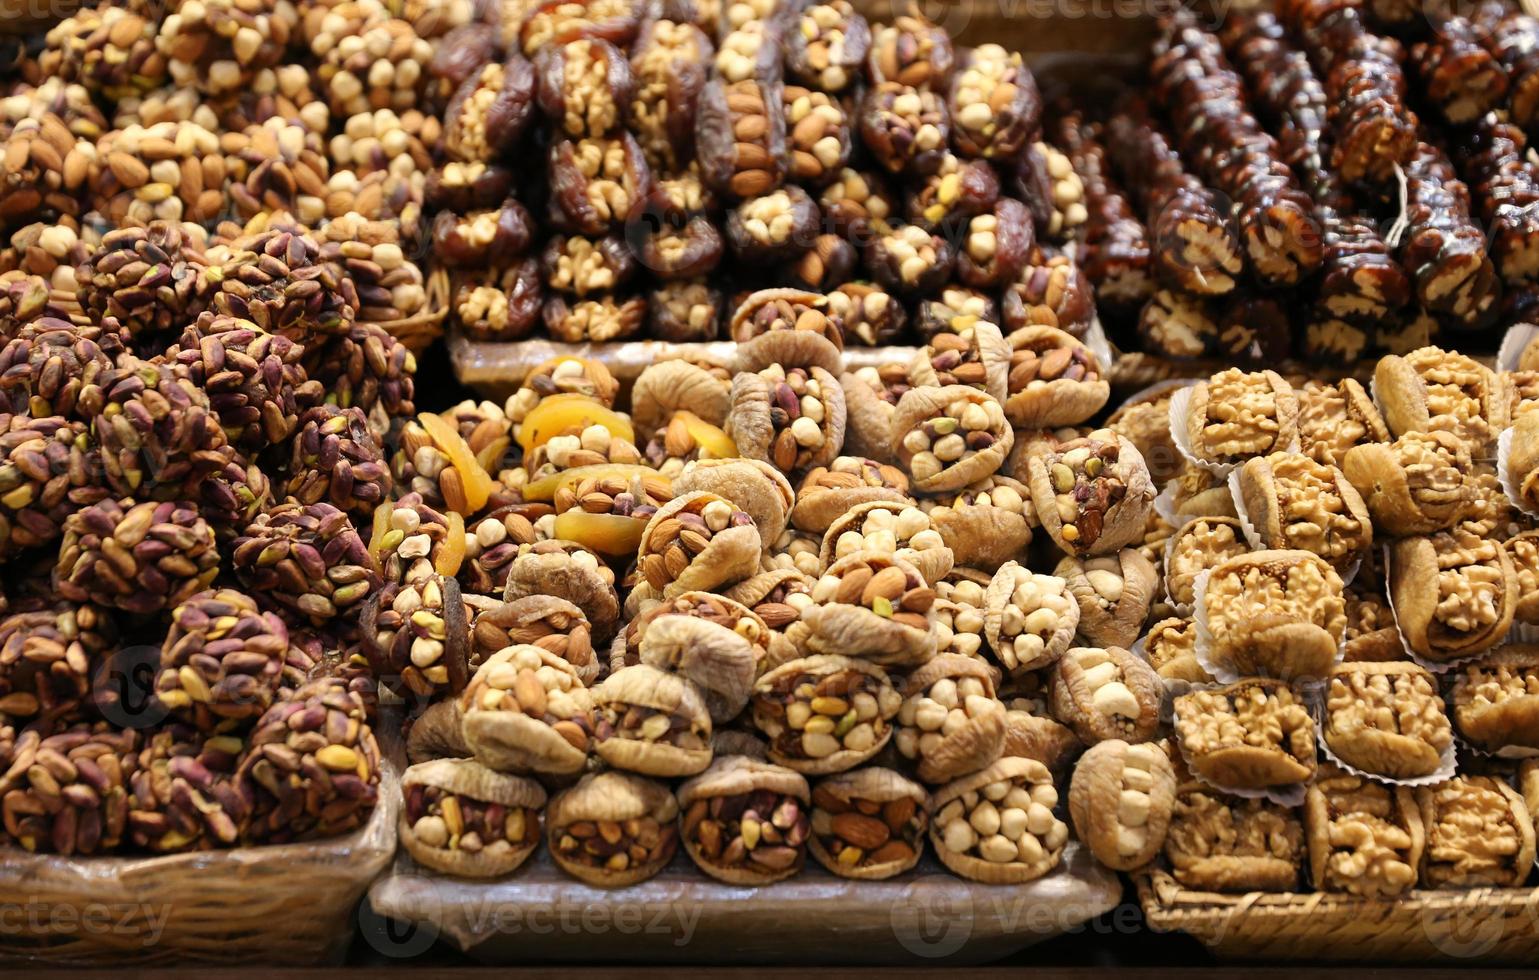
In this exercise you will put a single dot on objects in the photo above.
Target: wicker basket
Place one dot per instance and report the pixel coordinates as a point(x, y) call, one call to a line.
point(1485, 924)
point(420, 330)
point(292, 904)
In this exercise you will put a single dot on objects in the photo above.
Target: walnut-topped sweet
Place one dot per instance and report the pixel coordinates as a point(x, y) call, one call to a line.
point(1365, 838)
point(1171, 646)
point(1030, 619)
point(997, 826)
point(1091, 494)
point(825, 714)
point(1523, 462)
point(1417, 484)
point(1225, 843)
point(1275, 613)
point(948, 437)
point(1454, 593)
point(1199, 545)
point(1386, 719)
point(1295, 502)
point(1479, 834)
point(1435, 390)
point(1249, 735)
point(1335, 417)
point(1235, 415)
point(1495, 699)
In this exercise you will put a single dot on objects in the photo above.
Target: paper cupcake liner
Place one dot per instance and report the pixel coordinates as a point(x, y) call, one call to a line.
point(1514, 341)
point(1504, 478)
point(1447, 760)
point(1095, 339)
point(1165, 505)
point(1182, 608)
point(1253, 536)
point(1226, 673)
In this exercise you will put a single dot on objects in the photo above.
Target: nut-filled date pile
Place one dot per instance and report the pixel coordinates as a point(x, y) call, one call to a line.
point(768, 610)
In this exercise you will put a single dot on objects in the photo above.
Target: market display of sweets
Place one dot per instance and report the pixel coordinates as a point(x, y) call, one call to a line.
point(1259, 632)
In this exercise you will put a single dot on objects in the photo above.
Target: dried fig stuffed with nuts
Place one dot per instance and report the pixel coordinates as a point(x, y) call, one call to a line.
point(972, 353)
point(542, 620)
point(1365, 839)
point(745, 822)
point(698, 541)
point(713, 642)
point(950, 721)
point(868, 824)
point(1104, 694)
point(465, 820)
point(1053, 379)
point(997, 826)
point(1232, 844)
point(824, 714)
point(902, 530)
point(1495, 699)
point(1202, 543)
point(752, 485)
point(1233, 416)
point(1454, 593)
point(1295, 502)
point(1114, 593)
point(946, 438)
point(526, 710)
point(872, 606)
point(1120, 801)
point(1030, 619)
point(827, 492)
point(1479, 834)
point(649, 721)
point(1092, 495)
point(613, 829)
point(792, 418)
point(1432, 390)
point(665, 387)
point(986, 523)
point(569, 572)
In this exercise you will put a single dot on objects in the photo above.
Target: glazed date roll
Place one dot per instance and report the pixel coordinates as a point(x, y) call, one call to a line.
point(827, 45)
point(1373, 129)
point(773, 226)
point(584, 86)
point(751, 51)
point(1513, 39)
point(956, 190)
point(464, 187)
point(1506, 188)
point(595, 182)
point(668, 63)
point(1282, 84)
point(829, 263)
point(1115, 253)
point(740, 138)
point(1457, 74)
point(1195, 247)
point(1442, 248)
point(911, 260)
point(904, 128)
point(996, 245)
point(995, 105)
point(1206, 99)
point(1050, 291)
point(596, 320)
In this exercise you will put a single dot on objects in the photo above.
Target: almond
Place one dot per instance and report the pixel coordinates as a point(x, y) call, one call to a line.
point(898, 812)
point(892, 851)
point(860, 830)
point(853, 585)
point(825, 799)
point(888, 584)
point(530, 693)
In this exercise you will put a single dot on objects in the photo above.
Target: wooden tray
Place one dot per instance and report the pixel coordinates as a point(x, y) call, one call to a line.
point(927, 915)
point(1492, 925)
